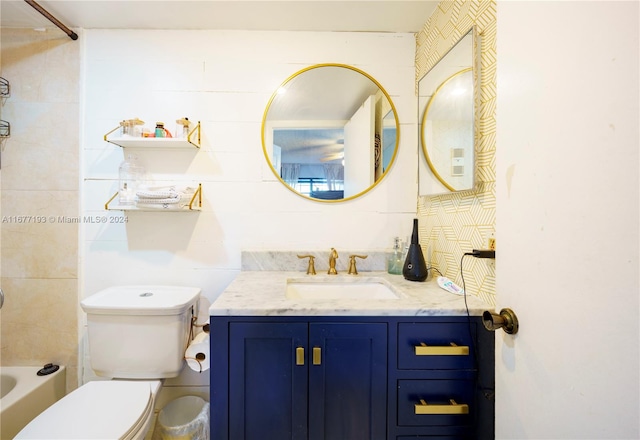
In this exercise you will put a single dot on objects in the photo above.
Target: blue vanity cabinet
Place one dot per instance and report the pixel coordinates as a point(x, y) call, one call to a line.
point(285, 379)
point(355, 378)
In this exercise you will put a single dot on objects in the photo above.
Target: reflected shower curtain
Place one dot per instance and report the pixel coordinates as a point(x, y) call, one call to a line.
point(290, 173)
point(332, 174)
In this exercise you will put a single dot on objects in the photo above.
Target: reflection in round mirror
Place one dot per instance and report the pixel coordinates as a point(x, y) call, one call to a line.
point(330, 132)
point(447, 131)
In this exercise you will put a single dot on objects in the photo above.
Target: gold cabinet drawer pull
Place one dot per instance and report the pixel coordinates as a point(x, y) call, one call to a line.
point(300, 356)
point(453, 408)
point(441, 350)
point(317, 356)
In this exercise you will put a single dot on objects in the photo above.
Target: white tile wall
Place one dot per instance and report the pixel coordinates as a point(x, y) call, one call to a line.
point(39, 178)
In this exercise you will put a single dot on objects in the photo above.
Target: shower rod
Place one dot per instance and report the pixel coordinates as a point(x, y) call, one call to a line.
point(52, 19)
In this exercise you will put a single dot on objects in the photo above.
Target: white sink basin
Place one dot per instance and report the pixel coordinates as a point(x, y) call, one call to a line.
point(325, 289)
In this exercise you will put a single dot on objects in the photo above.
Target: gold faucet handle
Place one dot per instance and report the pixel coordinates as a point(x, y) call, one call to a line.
point(311, 268)
point(332, 262)
point(353, 270)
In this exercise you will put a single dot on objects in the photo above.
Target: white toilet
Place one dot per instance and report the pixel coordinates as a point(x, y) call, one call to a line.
point(137, 337)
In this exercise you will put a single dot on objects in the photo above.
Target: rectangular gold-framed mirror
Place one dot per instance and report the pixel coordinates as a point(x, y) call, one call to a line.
point(447, 108)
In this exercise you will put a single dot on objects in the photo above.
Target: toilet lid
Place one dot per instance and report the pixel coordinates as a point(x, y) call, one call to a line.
point(96, 410)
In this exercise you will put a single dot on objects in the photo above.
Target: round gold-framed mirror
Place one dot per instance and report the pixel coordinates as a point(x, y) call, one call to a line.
point(447, 134)
point(330, 132)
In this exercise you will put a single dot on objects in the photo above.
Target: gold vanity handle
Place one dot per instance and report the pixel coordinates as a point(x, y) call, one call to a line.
point(300, 356)
point(440, 350)
point(453, 408)
point(317, 356)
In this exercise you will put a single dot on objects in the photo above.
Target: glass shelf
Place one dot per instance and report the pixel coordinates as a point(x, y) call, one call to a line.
point(192, 140)
point(195, 204)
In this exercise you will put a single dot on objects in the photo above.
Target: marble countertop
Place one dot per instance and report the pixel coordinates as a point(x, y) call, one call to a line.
point(262, 293)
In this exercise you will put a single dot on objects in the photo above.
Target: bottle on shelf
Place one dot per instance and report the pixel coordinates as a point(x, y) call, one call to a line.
point(132, 127)
point(182, 128)
point(130, 175)
point(160, 130)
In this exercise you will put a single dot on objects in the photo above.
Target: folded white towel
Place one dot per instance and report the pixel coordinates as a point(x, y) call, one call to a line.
point(164, 192)
point(157, 194)
point(165, 197)
point(168, 200)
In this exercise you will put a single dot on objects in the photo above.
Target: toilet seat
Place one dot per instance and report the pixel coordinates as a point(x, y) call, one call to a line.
point(97, 410)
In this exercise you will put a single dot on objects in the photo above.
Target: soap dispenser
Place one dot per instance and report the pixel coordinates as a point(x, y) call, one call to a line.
point(415, 268)
point(395, 259)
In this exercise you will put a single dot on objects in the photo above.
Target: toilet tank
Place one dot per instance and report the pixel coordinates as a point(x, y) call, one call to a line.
point(140, 332)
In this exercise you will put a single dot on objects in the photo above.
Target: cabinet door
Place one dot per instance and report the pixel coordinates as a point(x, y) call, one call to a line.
point(268, 387)
point(347, 381)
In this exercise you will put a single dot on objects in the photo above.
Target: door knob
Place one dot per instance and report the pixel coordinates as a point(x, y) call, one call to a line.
point(506, 320)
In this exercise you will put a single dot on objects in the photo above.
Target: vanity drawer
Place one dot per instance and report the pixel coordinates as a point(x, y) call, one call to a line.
point(439, 346)
point(435, 402)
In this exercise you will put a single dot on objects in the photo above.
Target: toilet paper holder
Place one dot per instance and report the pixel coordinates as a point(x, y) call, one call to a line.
point(506, 320)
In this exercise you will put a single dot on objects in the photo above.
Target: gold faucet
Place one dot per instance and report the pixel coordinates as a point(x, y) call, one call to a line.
point(311, 268)
point(353, 270)
point(332, 262)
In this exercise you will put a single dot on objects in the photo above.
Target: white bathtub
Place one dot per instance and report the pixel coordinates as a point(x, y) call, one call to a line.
point(24, 395)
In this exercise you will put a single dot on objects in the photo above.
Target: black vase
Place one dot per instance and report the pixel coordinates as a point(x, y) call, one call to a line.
point(415, 268)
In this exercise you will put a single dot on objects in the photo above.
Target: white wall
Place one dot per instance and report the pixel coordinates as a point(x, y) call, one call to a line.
point(568, 220)
point(225, 79)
